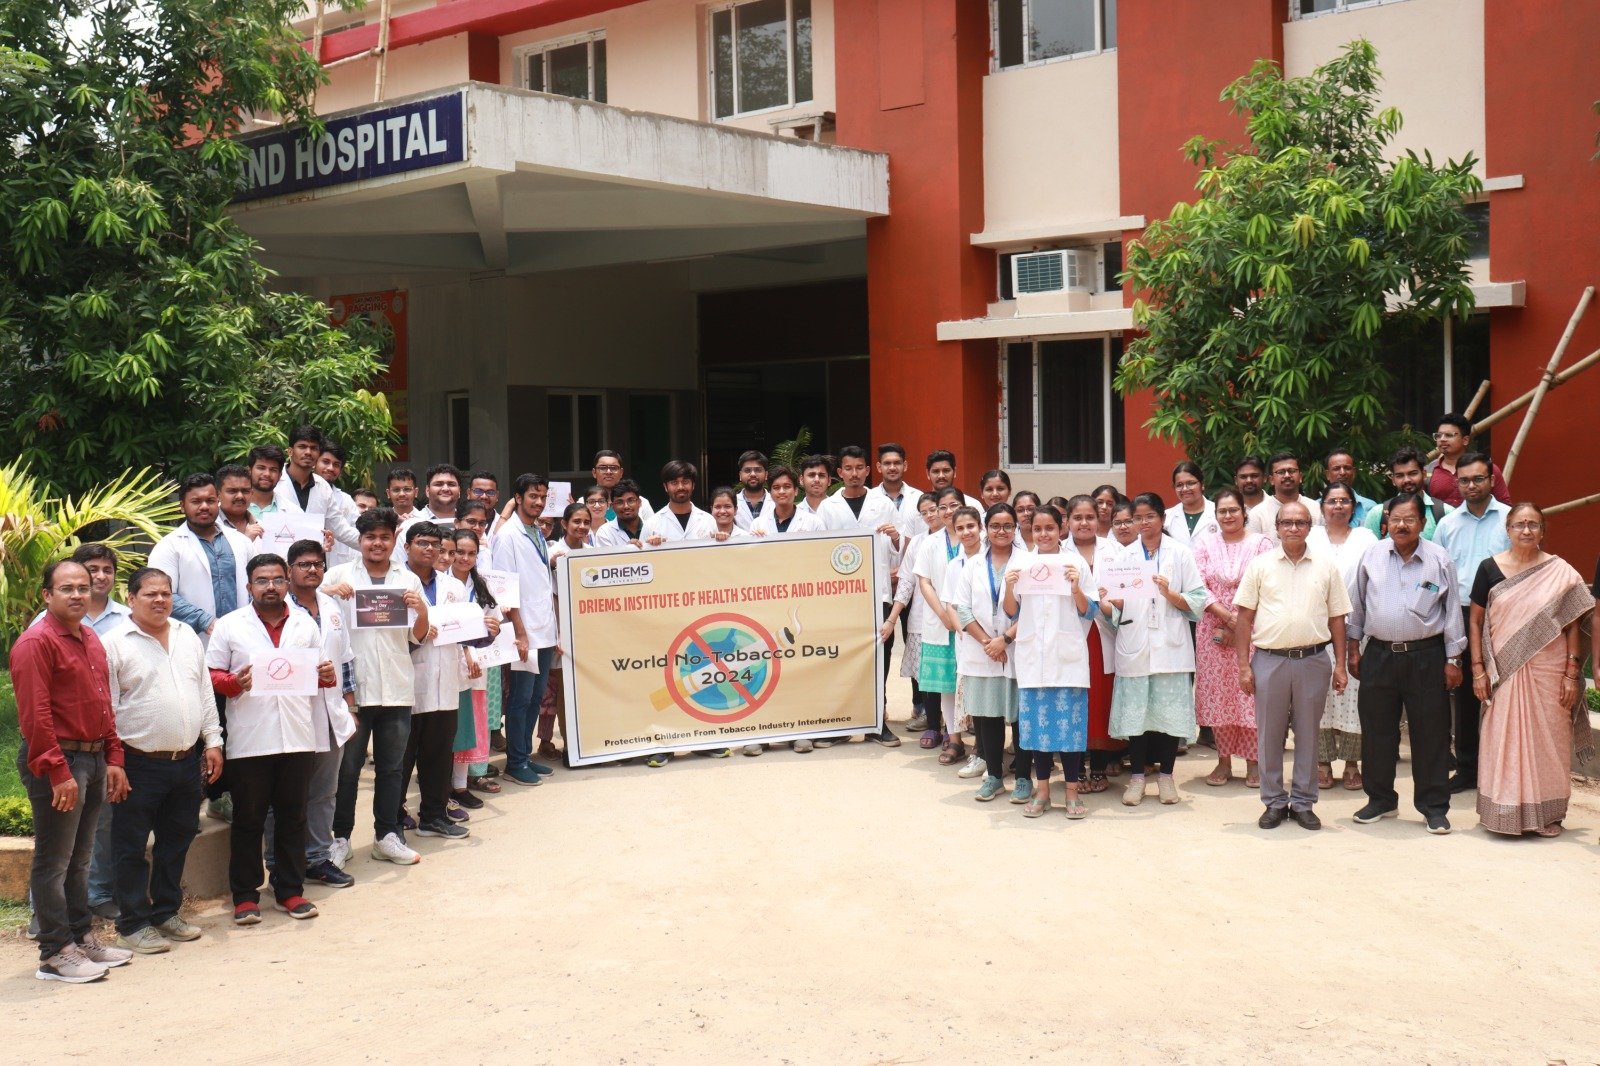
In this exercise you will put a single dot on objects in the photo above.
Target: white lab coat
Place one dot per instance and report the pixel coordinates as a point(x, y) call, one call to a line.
point(875, 511)
point(331, 721)
point(665, 524)
point(933, 562)
point(384, 676)
point(324, 500)
point(972, 591)
point(908, 517)
point(437, 670)
point(803, 521)
point(1051, 650)
point(1177, 527)
point(612, 535)
point(512, 549)
point(263, 725)
point(184, 560)
point(1104, 551)
point(1152, 635)
point(742, 516)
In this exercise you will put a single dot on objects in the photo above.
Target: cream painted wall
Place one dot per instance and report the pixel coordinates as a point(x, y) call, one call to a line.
point(1431, 56)
point(1068, 483)
point(1050, 144)
point(656, 58)
point(416, 69)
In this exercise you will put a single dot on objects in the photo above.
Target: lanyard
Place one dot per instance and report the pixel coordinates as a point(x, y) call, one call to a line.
point(949, 548)
point(533, 534)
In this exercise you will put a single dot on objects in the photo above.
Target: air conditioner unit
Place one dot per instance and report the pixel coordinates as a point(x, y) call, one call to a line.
point(1059, 270)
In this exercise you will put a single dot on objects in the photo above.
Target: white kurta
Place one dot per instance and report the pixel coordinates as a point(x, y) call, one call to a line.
point(263, 725)
point(1051, 650)
point(876, 511)
point(1153, 635)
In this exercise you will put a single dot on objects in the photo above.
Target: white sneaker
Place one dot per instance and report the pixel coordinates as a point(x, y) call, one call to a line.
point(104, 954)
point(973, 767)
point(339, 854)
point(1133, 795)
point(71, 965)
point(392, 849)
point(802, 745)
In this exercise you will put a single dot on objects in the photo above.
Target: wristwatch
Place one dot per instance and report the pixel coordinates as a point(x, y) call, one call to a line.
point(1009, 638)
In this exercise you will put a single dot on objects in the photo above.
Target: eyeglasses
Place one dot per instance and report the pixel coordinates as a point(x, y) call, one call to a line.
point(1525, 527)
point(71, 590)
point(1008, 528)
point(481, 494)
point(1452, 435)
point(1227, 512)
point(270, 582)
point(1294, 523)
point(945, 508)
point(310, 565)
point(1182, 486)
point(609, 469)
point(1480, 479)
point(1122, 523)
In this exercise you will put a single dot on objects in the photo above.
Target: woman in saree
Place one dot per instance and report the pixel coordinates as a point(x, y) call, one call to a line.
point(1529, 633)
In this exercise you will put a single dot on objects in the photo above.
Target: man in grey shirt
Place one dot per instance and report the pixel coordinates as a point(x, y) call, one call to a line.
point(1403, 600)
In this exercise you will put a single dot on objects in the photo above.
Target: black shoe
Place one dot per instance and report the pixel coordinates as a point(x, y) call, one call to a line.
point(1306, 819)
point(326, 873)
point(467, 799)
point(1460, 784)
point(1438, 825)
point(497, 740)
point(887, 738)
point(1374, 811)
point(108, 910)
point(1272, 817)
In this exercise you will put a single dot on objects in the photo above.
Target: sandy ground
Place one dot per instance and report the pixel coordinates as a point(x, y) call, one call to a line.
point(855, 905)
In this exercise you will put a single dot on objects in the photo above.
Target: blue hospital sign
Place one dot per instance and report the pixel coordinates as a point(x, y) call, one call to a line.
point(391, 140)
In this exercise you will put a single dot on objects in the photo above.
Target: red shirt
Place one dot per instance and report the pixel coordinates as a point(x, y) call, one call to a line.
point(63, 693)
point(1442, 485)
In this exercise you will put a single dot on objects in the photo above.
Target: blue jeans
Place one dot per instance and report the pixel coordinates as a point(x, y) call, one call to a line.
point(522, 709)
point(387, 728)
point(164, 798)
point(102, 861)
point(62, 840)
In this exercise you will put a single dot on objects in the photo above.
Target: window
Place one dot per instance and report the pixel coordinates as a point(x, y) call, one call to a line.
point(1478, 241)
point(1110, 255)
point(576, 429)
point(1030, 31)
point(569, 67)
point(760, 56)
point(1060, 409)
point(1311, 8)
point(458, 411)
point(1435, 367)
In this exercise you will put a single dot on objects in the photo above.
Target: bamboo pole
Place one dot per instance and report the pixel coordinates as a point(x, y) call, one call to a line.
point(1477, 398)
point(382, 52)
point(316, 46)
point(1522, 401)
point(1572, 505)
point(1544, 382)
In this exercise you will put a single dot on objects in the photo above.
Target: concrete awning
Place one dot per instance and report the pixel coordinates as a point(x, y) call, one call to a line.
point(530, 182)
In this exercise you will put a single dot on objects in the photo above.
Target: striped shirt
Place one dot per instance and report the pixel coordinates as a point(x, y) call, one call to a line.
point(1395, 599)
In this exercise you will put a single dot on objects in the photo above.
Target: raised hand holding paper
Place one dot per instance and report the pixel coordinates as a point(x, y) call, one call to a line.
point(456, 622)
point(284, 672)
point(502, 651)
point(505, 585)
point(280, 529)
point(382, 608)
point(1129, 579)
point(1044, 577)
point(555, 504)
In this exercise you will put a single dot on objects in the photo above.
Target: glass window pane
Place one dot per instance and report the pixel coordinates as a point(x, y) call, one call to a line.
point(1019, 403)
point(1108, 22)
point(536, 72)
point(802, 50)
point(558, 426)
point(1061, 28)
point(722, 63)
point(569, 71)
point(1072, 410)
point(589, 428)
point(600, 70)
point(1113, 264)
point(1312, 7)
point(1469, 358)
point(1118, 450)
point(763, 45)
point(1414, 354)
point(1008, 28)
point(1478, 239)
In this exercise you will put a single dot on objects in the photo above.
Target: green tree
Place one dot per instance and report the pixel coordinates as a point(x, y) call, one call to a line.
point(136, 324)
point(1262, 301)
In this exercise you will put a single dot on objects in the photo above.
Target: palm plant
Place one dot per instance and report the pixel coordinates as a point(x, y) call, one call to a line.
point(37, 529)
point(790, 452)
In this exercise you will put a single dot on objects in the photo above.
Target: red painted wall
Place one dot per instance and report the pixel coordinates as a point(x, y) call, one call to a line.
point(1173, 61)
point(909, 76)
point(1539, 72)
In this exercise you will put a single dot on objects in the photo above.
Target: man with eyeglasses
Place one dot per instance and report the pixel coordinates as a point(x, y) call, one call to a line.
point(1284, 468)
point(1453, 438)
point(172, 744)
point(1292, 606)
point(70, 762)
point(1404, 602)
point(607, 471)
point(1471, 534)
point(271, 743)
point(1405, 474)
point(753, 497)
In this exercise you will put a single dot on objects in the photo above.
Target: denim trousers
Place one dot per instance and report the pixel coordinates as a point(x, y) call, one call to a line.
point(164, 798)
point(62, 844)
point(388, 729)
point(522, 709)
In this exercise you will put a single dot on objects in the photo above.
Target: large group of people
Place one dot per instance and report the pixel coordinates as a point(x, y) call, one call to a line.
point(1088, 637)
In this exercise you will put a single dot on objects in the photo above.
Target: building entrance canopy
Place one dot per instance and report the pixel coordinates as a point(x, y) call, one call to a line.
point(480, 177)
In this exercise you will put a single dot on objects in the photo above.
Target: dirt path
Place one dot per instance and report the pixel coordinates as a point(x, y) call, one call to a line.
point(855, 905)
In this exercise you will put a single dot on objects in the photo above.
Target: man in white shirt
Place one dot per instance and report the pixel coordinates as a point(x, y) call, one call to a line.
point(520, 548)
point(854, 510)
point(233, 494)
point(784, 517)
point(892, 486)
point(441, 484)
point(330, 467)
point(270, 746)
point(401, 489)
point(680, 519)
point(609, 474)
point(753, 499)
point(385, 688)
point(941, 473)
point(816, 477)
point(1285, 472)
point(302, 490)
point(171, 742)
point(628, 526)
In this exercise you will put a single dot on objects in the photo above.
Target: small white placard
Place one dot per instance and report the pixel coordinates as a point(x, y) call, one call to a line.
point(502, 651)
point(456, 622)
point(284, 672)
point(556, 502)
point(280, 529)
point(505, 585)
point(1129, 579)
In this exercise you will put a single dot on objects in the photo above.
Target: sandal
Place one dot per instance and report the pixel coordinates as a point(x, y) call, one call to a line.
point(1036, 807)
point(930, 739)
point(1114, 769)
point(1324, 775)
point(483, 784)
point(1252, 779)
point(1076, 809)
point(1097, 782)
point(1551, 830)
point(954, 751)
point(1352, 777)
point(1219, 777)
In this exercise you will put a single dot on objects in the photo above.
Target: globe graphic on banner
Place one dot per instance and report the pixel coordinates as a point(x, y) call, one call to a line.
point(717, 671)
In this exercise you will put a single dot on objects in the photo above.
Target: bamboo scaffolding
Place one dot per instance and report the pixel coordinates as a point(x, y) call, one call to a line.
point(1546, 380)
point(1477, 398)
point(1572, 505)
point(382, 52)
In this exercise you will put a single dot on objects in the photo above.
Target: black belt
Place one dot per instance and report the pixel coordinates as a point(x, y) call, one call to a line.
point(1298, 653)
point(1400, 647)
point(81, 745)
point(167, 756)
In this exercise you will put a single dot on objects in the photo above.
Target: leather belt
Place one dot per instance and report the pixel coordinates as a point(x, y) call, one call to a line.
point(1400, 647)
point(1298, 653)
point(81, 745)
point(167, 756)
